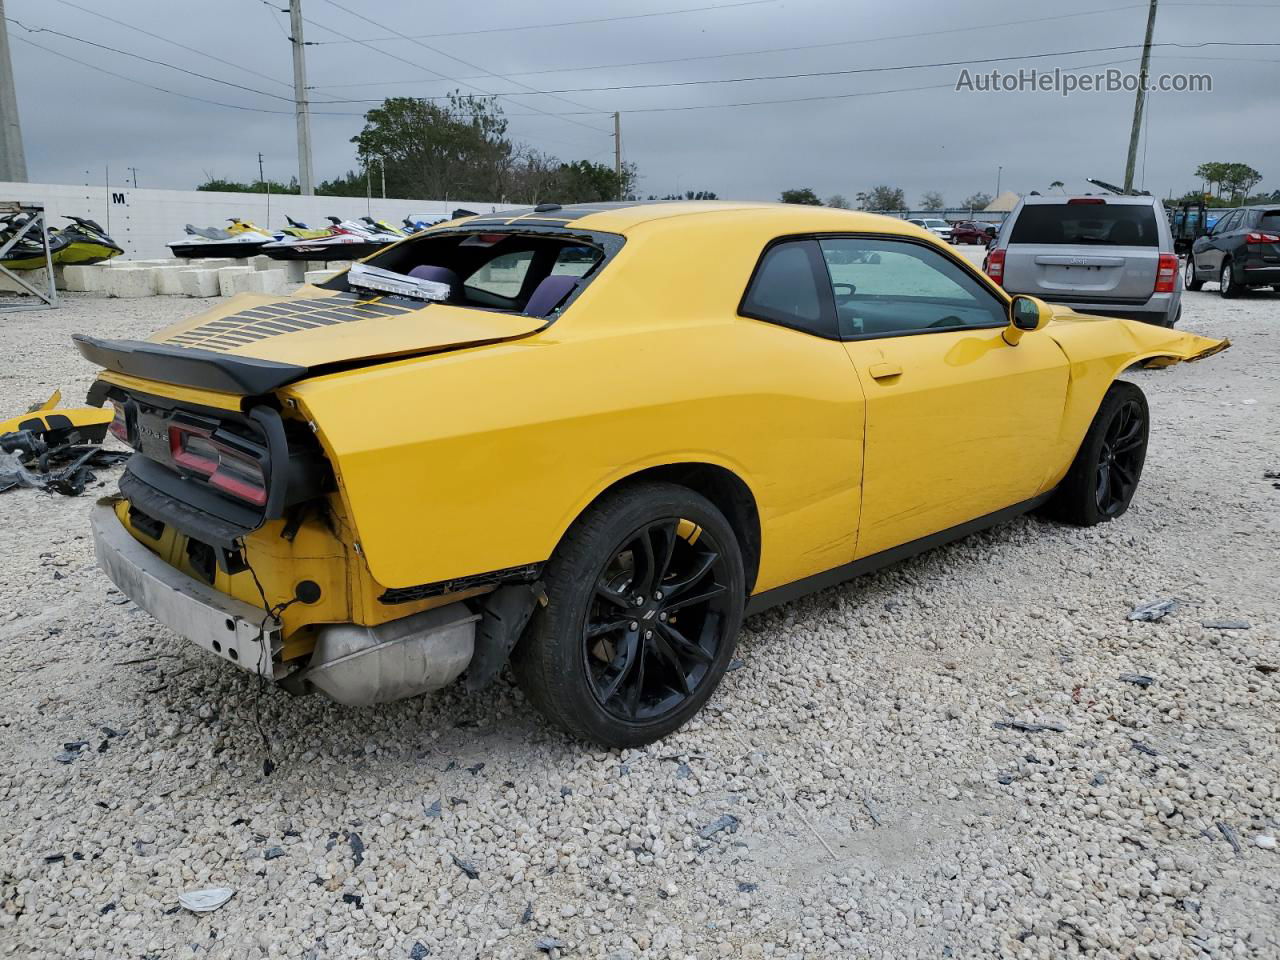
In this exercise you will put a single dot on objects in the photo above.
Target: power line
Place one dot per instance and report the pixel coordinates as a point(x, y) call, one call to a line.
point(173, 93)
point(138, 56)
point(791, 49)
point(473, 66)
point(853, 71)
point(175, 43)
point(565, 23)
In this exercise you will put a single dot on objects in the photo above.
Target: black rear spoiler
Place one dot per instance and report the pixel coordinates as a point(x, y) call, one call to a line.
point(189, 366)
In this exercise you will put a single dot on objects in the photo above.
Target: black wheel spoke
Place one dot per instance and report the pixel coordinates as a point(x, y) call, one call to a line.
point(701, 596)
point(645, 579)
point(636, 686)
point(609, 595)
point(700, 569)
point(683, 645)
point(664, 651)
point(665, 547)
point(604, 627)
point(1104, 487)
point(630, 656)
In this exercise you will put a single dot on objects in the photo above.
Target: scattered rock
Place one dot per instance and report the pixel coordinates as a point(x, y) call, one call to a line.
point(206, 900)
point(1154, 610)
point(724, 822)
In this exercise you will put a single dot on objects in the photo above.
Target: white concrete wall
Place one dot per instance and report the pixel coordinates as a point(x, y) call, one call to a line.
point(143, 221)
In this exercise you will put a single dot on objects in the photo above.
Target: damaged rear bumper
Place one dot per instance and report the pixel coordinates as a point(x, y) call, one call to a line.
point(351, 664)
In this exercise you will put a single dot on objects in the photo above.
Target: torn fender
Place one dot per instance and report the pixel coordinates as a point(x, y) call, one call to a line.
point(1123, 343)
point(54, 425)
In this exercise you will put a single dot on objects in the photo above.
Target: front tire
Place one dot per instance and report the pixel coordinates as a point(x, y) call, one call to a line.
point(1105, 473)
point(645, 598)
point(1189, 275)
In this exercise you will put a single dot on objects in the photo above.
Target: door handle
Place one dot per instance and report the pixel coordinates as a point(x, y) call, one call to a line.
point(884, 370)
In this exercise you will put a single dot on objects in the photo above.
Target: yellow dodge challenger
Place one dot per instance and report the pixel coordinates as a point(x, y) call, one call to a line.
point(588, 440)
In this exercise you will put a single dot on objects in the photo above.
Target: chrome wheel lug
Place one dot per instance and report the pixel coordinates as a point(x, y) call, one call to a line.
point(648, 634)
point(662, 616)
point(633, 626)
point(658, 595)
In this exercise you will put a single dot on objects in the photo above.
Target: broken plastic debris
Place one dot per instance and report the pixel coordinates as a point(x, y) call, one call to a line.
point(1154, 610)
point(1139, 679)
point(547, 944)
point(1027, 726)
point(725, 822)
point(203, 901)
point(1225, 624)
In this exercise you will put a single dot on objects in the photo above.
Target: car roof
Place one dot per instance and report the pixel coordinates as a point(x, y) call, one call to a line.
point(1108, 197)
point(625, 216)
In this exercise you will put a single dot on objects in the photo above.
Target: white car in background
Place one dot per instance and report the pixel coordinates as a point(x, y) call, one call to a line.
point(939, 228)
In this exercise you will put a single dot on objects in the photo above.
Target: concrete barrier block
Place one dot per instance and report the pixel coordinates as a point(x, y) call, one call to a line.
point(293, 270)
point(129, 282)
point(85, 278)
point(199, 283)
point(169, 281)
point(256, 281)
point(337, 265)
point(261, 262)
point(315, 265)
point(36, 278)
point(227, 274)
point(318, 276)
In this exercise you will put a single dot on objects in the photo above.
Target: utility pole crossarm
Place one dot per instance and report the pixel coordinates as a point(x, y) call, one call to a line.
point(301, 109)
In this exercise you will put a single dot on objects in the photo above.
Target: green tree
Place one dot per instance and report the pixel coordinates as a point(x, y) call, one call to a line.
point(839, 201)
point(882, 197)
point(218, 185)
point(976, 201)
point(803, 195)
point(933, 200)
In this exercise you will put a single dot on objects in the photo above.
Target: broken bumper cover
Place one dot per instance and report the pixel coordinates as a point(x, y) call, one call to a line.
point(230, 628)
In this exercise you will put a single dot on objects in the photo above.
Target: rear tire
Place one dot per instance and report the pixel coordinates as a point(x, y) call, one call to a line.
point(605, 660)
point(1227, 285)
point(1104, 475)
point(1189, 275)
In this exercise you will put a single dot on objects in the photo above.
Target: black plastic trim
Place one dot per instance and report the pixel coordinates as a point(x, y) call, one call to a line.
point(188, 366)
point(527, 573)
point(194, 522)
point(877, 561)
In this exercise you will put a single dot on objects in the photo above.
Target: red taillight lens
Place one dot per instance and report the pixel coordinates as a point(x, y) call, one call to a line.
point(196, 451)
point(1094, 200)
point(1166, 273)
point(119, 423)
point(1263, 238)
point(995, 266)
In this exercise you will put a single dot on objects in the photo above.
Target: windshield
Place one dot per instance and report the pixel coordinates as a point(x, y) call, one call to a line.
point(1100, 224)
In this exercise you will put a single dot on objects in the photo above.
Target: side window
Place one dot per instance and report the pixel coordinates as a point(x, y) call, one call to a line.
point(886, 288)
point(502, 276)
point(1229, 222)
point(575, 261)
point(785, 289)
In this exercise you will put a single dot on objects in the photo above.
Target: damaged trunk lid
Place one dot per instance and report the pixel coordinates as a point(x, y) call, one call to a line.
point(254, 344)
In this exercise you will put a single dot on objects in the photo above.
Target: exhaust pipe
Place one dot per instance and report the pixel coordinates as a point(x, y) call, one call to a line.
point(358, 666)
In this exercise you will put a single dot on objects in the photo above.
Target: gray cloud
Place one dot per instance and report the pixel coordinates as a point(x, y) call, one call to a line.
point(77, 121)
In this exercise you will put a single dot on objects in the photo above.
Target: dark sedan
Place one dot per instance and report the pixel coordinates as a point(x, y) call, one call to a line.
point(972, 231)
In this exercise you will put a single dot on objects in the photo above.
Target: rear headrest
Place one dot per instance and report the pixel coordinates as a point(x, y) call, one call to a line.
point(549, 294)
point(439, 275)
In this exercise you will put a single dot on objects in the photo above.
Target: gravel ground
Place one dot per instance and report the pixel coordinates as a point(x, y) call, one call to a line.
point(845, 794)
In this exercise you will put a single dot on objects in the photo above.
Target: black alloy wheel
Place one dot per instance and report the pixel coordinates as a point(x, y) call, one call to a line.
point(655, 624)
point(645, 593)
point(1120, 459)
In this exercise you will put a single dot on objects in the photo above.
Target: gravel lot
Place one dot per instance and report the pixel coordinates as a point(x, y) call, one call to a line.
point(845, 794)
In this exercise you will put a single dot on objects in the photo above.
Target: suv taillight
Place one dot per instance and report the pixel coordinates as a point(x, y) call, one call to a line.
point(995, 266)
point(237, 474)
point(1263, 238)
point(1166, 272)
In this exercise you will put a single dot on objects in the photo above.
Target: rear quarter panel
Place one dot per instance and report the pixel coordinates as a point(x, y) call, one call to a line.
point(480, 459)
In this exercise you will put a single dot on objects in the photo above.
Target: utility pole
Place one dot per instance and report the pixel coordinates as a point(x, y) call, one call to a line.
point(617, 150)
point(1139, 100)
point(301, 109)
point(134, 172)
point(999, 174)
point(13, 161)
point(261, 178)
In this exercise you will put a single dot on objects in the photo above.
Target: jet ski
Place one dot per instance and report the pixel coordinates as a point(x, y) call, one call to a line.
point(28, 253)
point(417, 222)
point(381, 226)
point(347, 240)
point(242, 239)
point(297, 228)
point(86, 243)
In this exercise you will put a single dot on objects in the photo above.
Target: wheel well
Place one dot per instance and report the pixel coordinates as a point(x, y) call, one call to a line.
point(727, 491)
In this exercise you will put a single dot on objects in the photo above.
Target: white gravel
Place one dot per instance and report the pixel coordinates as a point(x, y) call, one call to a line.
point(876, 811)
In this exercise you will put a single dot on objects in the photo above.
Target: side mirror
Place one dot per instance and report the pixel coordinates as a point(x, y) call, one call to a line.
point(1026, 315)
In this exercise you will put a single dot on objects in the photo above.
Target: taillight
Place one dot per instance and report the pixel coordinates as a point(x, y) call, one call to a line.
point(1263, 238)
point(1166, 273)
point(197, 451)
point(995, 266)
point(119, 423)
point(1089, 200)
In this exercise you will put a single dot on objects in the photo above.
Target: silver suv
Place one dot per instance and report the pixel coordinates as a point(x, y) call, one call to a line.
point(1111, 255)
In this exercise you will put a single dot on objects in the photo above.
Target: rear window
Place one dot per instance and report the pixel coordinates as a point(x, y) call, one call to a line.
point(1270, 220)
point(1096, 224)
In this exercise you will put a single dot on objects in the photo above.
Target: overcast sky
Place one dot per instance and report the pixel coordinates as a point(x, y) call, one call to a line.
point(77, 120)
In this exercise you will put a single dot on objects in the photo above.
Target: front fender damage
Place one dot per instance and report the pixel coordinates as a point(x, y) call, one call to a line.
point(1127, 342)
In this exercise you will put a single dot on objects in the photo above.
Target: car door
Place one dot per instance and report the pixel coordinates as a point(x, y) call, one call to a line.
point(1210, 249)
point(959, 424)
